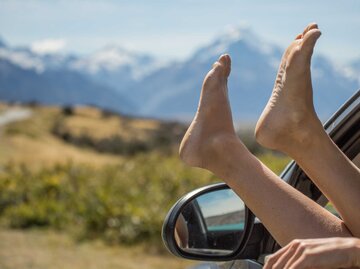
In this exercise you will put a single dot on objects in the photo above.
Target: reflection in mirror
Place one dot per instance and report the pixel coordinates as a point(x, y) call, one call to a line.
point(212, 223)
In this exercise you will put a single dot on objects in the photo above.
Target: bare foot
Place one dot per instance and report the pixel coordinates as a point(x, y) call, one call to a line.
point(289, 114)
point(212, 126)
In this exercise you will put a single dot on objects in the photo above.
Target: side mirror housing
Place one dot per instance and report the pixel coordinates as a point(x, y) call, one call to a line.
point(211, 223)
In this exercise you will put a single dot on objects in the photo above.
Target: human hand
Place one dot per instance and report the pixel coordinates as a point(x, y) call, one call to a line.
point(342, 252)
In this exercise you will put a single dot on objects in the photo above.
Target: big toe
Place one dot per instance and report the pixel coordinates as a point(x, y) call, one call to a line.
point(309, 41)
point(223, 65)
point(310, 27)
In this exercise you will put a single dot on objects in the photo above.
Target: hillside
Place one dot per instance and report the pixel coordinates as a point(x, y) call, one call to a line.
point(44, 136)
point(87, 135)
point(94, 174)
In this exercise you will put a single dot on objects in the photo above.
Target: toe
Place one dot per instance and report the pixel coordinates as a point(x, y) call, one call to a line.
point(299, 36)
point(309, 41)
point(223, 59)
point(225, 63)
point(310, 27)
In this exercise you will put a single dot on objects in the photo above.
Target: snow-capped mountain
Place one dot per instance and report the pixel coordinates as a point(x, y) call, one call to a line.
point(115, 66)
point(174, 91)
point(22, 58)
point(139, 84)
point(177, 87)
point(26, 76)
point(112, 66)
point(112, 59)
point(27, 59)
point(232, 37)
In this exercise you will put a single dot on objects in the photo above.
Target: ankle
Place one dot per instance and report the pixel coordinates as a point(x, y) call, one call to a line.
point(222, 153)
point(222, 143)
point(309, 135)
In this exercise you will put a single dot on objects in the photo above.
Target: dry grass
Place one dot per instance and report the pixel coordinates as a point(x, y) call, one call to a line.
point(47, 151)
point(45, 249)
point(31, 142)
point(90, 121)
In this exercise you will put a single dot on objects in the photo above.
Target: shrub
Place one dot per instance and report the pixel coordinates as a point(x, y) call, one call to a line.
point(121, 204)
point(67, 110)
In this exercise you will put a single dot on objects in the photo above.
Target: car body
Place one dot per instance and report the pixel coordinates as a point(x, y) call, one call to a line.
point(255, 242)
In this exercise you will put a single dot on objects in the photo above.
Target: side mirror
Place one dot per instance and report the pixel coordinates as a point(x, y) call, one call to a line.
point(211, 223)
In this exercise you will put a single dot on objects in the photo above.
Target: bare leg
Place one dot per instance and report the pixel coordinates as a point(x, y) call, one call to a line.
point(211, 143)
point(289, 124)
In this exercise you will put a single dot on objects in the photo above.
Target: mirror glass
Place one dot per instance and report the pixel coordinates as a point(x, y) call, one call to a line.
point(212, 223)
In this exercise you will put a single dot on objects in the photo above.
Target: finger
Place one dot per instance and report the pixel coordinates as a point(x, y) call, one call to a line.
point(285, 257)
point(271, 259)
point(302, 247)
point(309, 243)
point(308, 254)
point(306, 261)
point(323, 257)
point(274, 258)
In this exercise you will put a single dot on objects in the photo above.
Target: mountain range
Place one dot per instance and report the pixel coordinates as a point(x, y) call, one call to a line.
point(139, 84)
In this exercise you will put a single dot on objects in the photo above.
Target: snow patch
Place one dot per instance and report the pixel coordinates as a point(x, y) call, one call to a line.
point(48, 46)
point(23, 59)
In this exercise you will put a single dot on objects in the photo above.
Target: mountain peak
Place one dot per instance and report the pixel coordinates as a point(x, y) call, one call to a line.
point(234, 36)
point(245, 34)
point(115, 47)
point(114, 58)
point(236, 33)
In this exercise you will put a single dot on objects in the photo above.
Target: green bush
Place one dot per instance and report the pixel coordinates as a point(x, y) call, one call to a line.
point(121, 204)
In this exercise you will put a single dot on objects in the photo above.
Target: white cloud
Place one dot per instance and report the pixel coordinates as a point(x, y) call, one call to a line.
point(48, 46)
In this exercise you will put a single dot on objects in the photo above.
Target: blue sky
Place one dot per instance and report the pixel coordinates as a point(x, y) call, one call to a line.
point(220, 202)
point(174, 29)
